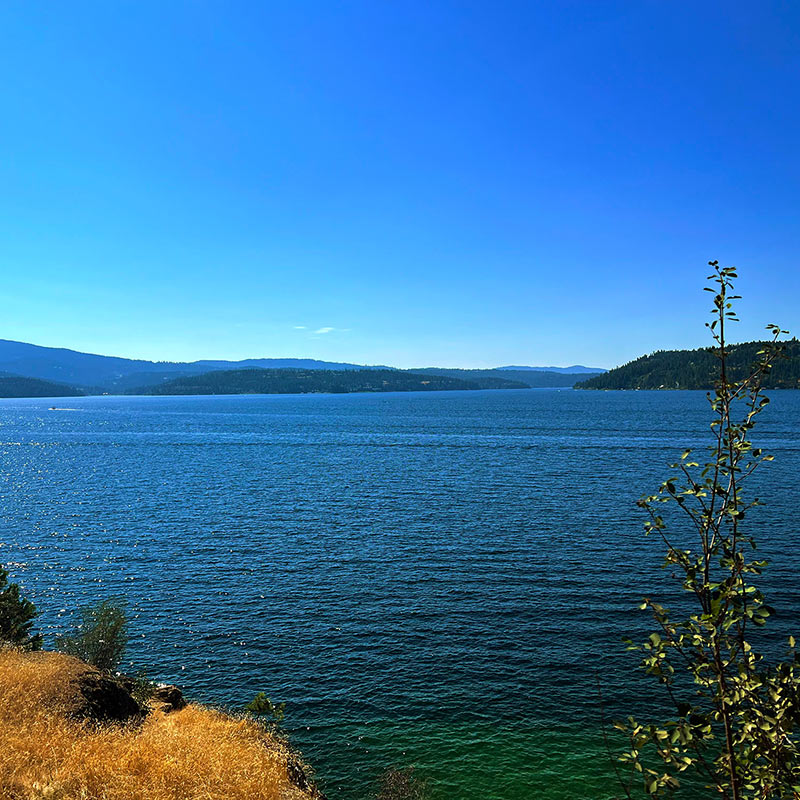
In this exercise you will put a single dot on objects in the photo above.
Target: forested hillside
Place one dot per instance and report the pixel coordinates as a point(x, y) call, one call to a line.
point(696, 369)
point(300, 381)
point(17, 386)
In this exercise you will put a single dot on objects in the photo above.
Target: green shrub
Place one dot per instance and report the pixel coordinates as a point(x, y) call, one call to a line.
point(101, 636)
point(261, 706)
point(16, 616)
point(143, 688)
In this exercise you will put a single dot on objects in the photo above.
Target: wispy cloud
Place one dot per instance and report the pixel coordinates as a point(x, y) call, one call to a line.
point(323, 331)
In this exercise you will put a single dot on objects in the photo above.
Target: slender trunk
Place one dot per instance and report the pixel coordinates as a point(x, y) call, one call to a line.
point(726, 721)
point(725, 425)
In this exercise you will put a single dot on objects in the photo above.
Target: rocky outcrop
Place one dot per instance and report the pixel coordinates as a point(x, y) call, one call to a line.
point(66, 686)
point(297, 773)
point(167, 697)
point(102, 698)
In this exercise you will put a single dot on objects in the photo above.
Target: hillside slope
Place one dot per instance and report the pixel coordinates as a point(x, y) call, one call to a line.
point(696, 369)
point(193, 753)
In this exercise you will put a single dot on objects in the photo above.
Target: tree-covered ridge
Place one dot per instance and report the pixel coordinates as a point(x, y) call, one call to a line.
point(302, 381)
point(697, 369)
point(17, 386)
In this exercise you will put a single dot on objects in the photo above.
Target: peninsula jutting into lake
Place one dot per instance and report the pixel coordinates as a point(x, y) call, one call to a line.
point(697, 369)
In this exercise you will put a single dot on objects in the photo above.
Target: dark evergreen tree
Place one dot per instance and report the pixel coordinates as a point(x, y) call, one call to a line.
point(16, 616)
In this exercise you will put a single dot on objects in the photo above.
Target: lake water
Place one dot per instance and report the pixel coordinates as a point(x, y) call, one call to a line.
point(438, 579)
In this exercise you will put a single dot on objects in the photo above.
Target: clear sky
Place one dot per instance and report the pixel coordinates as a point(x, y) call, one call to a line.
point(407, 183)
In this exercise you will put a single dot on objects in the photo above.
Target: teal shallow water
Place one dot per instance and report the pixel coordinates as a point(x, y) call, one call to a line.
point(492, 761)
point(432, 579)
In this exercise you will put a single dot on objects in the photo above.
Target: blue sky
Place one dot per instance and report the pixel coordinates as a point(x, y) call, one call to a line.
point(407, 183)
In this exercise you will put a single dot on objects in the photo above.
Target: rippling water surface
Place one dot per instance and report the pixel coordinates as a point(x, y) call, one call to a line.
point(438, 579)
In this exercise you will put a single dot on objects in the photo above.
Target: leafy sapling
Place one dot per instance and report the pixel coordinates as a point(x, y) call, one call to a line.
point(735, 716)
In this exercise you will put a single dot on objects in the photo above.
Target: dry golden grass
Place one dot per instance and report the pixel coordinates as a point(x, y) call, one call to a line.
point(192, 754)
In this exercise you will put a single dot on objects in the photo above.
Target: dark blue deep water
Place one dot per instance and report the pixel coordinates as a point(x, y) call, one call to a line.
point(437, 579)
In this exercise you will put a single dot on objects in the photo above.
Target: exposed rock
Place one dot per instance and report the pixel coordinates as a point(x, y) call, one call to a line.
point(297, 773)
point(67, 686)
point(101, 698)
point(129, 684)
point(168, 698)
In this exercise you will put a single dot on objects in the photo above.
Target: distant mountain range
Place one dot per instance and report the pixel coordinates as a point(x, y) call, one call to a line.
point(531, 377)
point(110, 373)
point(697, 369)
point(87, 373)
point(576, 369)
